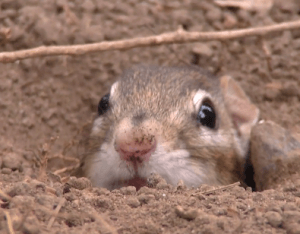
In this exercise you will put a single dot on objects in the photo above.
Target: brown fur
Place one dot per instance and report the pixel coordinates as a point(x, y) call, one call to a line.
point(159, 100)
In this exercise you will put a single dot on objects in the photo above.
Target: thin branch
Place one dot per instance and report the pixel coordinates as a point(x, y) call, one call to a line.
point(57, 209)
point(222, 188)
point(65, 169)
point(179, 36)
point(9, 223)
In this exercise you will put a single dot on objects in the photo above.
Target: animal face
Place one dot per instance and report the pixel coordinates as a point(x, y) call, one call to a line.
point(170, 121)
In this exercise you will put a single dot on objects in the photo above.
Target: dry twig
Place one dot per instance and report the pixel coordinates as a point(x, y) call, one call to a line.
point(66, 169)
point(221, 188)
point(9, 223)
point(57, 209)
point(179, 36)
point(66, 158)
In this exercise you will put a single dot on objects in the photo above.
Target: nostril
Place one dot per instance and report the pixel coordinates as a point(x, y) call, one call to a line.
point(135, 151)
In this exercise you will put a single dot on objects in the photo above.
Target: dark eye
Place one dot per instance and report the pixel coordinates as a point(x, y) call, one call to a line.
point(103, 105)
point(207, 115)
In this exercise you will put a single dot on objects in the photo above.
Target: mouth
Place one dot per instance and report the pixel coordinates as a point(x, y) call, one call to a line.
point(136, 181)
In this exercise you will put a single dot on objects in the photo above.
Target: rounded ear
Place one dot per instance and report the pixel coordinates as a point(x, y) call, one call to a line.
point(242, 111)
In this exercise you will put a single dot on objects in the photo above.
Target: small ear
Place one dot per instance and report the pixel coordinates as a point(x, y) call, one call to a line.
point(242, 111)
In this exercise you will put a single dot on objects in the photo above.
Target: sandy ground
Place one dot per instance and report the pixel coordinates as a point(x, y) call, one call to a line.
point(46, 102)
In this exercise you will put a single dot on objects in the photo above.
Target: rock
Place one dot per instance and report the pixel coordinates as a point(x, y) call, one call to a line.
point(31, 226)
point(20, 188)
point(133, 202)
point(230, 20)
point(12, 161)
point(162, 185)
point(288, 6)
point(102, 202)
point(214, 14)
point(292, 228)
point(290, 206)
point(291, 216)
point(88, 6)
point(273, 218)
point(79, 183)
point(202, 49)
point(6, 171)
point(154, 180)
point(145, 198)
point(181, 185)
point(235, 47)
point(129, 190)
point(188, 214)
point(275, 155)
point(100, 191)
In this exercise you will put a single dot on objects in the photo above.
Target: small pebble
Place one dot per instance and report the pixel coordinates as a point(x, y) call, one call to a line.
point(214, 14)
point(188, 214)
point(79, 183)
point(146, 190)
point(145, 198)
point(129, 190)
point(116, 191)
point(162, 185)
point(31, 226)
point(6, 171)
point(154, 180)
point(292, 227)
point(291, 215)
point(202, 49)
point(257, 197)
point(70, 196)
point(181, 185)
point(201, 197)
point(12, 161)
point(103, 202)
point(289, 206)
point(219, 211)
point(275, 208)
point(100, 191)
point(230, 21)
point(133, 202)
point(273, 218)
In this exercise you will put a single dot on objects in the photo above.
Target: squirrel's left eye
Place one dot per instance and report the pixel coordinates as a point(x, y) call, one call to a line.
point(103, 105)
point(207, 115)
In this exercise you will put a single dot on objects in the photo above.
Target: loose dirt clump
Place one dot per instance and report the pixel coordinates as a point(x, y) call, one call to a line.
point(46, 103)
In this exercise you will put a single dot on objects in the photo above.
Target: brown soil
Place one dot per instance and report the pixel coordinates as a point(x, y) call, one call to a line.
point(57, 96)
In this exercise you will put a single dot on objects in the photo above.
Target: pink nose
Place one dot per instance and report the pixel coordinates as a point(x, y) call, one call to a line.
point(137, 149)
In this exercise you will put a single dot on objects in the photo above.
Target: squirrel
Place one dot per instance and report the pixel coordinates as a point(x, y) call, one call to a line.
point(182, 123)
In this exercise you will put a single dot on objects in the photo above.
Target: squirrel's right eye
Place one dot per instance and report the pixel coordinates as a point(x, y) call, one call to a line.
point(103, 105)
point(207, 115)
